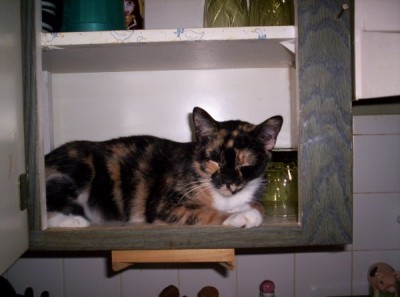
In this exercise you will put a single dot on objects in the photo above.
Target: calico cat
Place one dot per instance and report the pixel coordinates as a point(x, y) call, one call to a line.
point(219, 179)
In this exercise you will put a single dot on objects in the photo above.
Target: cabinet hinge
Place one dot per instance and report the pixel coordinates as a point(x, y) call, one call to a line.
point(23, 191)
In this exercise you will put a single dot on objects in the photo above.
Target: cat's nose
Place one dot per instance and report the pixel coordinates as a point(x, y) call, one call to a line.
point(232, 187)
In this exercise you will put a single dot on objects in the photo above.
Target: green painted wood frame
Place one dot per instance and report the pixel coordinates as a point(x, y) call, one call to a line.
point(324, 79)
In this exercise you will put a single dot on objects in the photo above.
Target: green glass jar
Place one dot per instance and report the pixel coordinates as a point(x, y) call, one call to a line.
point(271, 13)
point(225, 13)
point(281, 198)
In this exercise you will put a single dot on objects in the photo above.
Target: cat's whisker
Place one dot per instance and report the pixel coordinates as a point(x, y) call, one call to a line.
point(188, 188)
point(200, 186)
point(185, 187)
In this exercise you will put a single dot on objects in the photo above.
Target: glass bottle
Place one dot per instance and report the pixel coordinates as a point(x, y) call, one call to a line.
point(271, 13)
point(282, 186)
point(225, 13)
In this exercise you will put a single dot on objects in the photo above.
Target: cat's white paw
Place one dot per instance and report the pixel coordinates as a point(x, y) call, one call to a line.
point(244, 219)
point(66, 221)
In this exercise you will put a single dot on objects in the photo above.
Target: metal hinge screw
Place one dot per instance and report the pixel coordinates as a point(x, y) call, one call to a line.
point(344, 7)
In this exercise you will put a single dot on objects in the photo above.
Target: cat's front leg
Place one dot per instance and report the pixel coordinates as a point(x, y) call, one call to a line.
point(251, 216)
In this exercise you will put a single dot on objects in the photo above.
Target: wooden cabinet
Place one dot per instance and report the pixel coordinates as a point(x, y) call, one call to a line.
point(377, 48)
point(13, 220)
point(98, 88)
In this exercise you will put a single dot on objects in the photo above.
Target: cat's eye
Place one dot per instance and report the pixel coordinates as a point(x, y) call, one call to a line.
point(218, 157)
point(215, 154)
point(245, 167)
point(241, 163)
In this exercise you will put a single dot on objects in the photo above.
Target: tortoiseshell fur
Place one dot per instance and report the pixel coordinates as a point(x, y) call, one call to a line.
point(218, 179)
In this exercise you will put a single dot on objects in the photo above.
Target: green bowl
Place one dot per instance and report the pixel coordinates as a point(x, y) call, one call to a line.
point(92, 15)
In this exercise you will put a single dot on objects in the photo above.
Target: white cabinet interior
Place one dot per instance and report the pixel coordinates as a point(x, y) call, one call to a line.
point(377, 48)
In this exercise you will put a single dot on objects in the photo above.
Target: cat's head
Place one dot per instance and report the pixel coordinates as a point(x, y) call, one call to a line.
point(232, 153)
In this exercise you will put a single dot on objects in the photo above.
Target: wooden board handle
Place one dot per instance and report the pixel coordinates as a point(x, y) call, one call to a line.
point(123, 259)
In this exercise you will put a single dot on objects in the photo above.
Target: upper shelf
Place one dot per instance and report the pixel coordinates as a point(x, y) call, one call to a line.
point(178, 49)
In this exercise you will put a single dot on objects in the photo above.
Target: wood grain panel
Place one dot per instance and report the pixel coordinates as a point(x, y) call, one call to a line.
point(325, 154)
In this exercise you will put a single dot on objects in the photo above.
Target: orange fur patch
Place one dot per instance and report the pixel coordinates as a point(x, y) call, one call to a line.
point(139, 202)
point(245, 158)
point(115, 173)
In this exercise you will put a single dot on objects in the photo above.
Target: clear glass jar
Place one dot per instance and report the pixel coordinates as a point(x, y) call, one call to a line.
point(282, 189)
point(271, 13)
point(225, 13)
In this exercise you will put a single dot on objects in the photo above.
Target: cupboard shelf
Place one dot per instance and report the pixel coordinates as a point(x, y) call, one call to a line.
point(178, 49)
point(321, 83)
point(150, 237)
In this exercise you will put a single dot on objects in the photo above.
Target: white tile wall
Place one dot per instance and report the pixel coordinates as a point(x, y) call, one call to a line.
point(297, 273)
point(377, 154)
point(253, 269)
point(89, 277)
point(144, 281)
point(376, 221)
point(41, 274)
point(323, 274)
point(377, 168)
point(192, 280)
point(375, 125)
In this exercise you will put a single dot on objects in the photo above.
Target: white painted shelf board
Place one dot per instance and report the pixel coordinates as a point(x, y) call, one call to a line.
point(177, 49)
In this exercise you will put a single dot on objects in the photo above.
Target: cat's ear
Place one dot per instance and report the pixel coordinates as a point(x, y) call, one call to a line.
point(204, 124)
point(268, 131)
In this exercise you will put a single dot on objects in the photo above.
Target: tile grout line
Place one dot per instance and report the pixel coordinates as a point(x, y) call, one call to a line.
point(63, 277)
point(352, 273)
point(121, 291)
point(294, 273)
point(178, 278)
point(236, 277)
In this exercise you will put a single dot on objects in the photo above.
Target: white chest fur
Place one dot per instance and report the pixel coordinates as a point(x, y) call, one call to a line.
point(237, 202)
